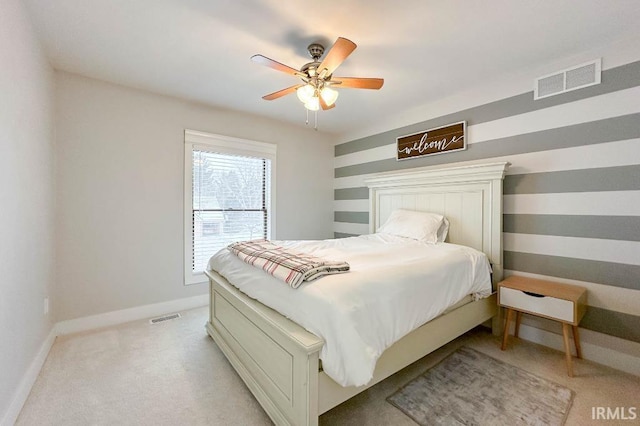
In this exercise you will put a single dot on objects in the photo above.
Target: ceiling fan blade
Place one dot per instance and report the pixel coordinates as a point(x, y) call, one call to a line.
point(263, 60)
point(338, 53)
point(281, 93)
point(324, 105)
point(358, 83)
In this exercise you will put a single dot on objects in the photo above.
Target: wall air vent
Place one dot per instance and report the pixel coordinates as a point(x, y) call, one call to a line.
point(573, 78)
point(164, 318)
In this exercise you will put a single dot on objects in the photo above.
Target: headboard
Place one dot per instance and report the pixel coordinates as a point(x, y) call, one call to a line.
point(470, 197)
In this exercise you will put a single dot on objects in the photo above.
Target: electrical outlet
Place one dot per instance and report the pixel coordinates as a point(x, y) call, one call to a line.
point(46, 305)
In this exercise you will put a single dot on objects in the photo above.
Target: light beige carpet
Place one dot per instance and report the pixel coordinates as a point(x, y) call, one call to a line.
point(172, 373)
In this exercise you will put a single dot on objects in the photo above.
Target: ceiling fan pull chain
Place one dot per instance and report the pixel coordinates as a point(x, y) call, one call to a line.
point(306, 122)
point(316, 122)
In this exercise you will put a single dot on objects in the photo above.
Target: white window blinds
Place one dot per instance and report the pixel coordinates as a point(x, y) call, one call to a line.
point(229, 200)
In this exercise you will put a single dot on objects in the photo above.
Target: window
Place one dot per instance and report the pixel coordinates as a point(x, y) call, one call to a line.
point(228, 196)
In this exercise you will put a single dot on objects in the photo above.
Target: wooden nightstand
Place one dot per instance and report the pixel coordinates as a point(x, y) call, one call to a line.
point(560, 302)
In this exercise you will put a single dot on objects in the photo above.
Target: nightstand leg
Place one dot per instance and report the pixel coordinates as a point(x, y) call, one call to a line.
point(506, 329)
point(576, 340)
point(518, 318)
point(567, 348)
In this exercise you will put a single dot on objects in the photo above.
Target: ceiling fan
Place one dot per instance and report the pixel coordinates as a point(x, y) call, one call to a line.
point(316, 90)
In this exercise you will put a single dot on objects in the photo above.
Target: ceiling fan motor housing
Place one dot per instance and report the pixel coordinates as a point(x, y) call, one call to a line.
point(310, 69)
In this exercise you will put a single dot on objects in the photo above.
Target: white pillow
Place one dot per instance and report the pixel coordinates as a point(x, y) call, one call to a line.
point(421, 226)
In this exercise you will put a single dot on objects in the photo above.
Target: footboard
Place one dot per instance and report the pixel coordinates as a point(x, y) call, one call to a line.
point(276, 358)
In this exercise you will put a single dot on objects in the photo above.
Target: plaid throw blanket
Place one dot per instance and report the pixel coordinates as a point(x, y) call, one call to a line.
point(292, 268)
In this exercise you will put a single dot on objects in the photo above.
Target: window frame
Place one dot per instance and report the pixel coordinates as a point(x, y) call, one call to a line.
point(196, 140)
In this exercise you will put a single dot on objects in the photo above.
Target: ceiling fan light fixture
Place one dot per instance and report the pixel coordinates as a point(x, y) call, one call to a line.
point(329, 95)
point(313, 104)
point(305, 93)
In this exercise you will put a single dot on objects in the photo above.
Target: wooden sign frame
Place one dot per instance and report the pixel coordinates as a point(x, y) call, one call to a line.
point(439, 140)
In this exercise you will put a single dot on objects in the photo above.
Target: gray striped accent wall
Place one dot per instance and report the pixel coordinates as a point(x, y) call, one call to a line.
point(571, 196)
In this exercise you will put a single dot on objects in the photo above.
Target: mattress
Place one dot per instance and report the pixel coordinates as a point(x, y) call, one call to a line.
point(394, 286)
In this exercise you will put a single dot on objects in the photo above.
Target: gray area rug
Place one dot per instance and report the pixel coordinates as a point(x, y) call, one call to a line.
point(470, 388)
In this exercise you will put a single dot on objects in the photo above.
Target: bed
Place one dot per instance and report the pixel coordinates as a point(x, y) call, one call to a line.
point(279, 360)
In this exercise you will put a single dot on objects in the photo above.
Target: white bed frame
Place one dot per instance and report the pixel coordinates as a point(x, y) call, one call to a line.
point(278, 359)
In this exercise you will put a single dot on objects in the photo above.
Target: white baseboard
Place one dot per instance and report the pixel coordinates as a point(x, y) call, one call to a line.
point(608, 356)
point(29, 378)
point(132, 314)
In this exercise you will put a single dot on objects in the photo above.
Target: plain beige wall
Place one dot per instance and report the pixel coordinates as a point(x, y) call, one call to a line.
point(119, 200)
point(26, 199)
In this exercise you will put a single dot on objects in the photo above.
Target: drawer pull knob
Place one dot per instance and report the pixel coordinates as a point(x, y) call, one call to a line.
point(533, 294)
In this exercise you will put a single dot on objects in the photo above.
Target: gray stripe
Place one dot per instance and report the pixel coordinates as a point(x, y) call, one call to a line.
point(351, 217)
point(607, 273)
point(360, 193)
point(615, 79)
point(614, 323)
point(625, 228)
point(343, 235)
point(591, 133)
point(622, 178)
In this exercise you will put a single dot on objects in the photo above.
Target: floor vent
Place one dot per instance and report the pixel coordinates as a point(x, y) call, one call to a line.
point(164, 318)
point(573, 78)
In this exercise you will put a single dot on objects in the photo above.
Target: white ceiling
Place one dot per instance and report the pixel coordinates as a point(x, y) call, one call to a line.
point(424, 49)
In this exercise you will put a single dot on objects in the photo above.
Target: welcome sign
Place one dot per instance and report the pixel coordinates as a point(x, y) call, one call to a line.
point(440, 140)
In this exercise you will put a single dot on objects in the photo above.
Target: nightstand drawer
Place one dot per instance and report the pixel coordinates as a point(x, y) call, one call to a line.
point(546, 306)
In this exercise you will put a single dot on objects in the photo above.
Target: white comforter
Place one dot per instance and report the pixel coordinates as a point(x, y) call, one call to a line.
point(394, 286)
